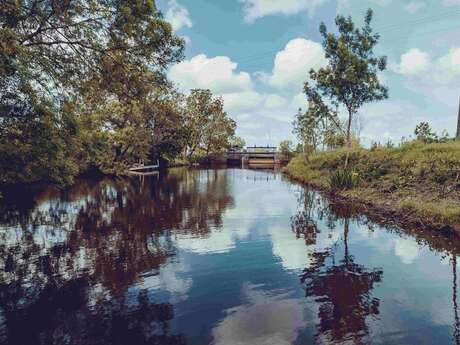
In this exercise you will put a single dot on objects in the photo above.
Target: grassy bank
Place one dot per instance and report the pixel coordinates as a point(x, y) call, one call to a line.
point(417, 184)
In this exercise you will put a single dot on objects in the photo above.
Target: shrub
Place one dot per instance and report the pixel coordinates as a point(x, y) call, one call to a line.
point(424, 133)
point(343, 179)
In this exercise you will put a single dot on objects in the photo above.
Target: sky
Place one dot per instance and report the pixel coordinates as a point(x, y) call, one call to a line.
point(256, 55)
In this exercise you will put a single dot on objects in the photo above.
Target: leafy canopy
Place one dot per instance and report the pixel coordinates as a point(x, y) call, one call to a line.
point(350, 78)
point(209, 127)
point(80, 84)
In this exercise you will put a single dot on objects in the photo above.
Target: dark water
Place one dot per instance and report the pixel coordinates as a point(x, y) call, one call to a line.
point(216, 257)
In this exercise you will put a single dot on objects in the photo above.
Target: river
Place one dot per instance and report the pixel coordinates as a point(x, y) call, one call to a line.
point(225, 256)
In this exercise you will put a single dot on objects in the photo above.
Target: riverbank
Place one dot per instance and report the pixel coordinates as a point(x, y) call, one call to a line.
point(415, 185)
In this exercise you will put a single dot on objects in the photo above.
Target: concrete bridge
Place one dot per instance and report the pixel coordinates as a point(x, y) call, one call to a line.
point(254, 155)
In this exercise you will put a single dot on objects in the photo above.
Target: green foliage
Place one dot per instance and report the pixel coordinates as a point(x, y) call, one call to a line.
point(169, 131)
point(350, 78)
point(343, 179)
point(411, 165)
point(441, 211)
point(425, 134)
point(36, 146)
point(286, 148)
point(318, 125)
point(209, 128)
point(83, 86)
point(421, 178)
point(334, 139)
point(236, 141)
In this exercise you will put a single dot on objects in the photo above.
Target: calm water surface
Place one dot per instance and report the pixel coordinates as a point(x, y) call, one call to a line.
point(216, 257)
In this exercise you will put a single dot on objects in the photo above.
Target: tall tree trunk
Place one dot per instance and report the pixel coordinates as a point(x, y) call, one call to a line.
point(458, 122)
point(346, 230)
point(350, 114)
point(454, 300)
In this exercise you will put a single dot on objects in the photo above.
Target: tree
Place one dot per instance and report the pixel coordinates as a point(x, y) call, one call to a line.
point(424, 132)
point(350, 78)
point(286, 148)
point(306, 127)
point(35, 144)
point(60, 43)
point(220, 131)
point(208, 125)
point(237, 141)
point(95, 63)
point(341, 286)
point(112, 220)
point(169, 132)
point(318, 125)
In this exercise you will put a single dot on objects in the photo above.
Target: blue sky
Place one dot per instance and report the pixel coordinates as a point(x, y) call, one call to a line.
point(255, 54)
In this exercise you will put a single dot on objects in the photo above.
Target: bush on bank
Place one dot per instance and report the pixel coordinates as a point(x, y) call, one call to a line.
point(418, 178)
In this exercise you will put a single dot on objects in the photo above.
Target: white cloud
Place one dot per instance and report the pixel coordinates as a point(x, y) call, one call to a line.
point(248, 122)
point(275, 101)
point(221, 240)
point(254, 9)
point(217, 74)
point(449, 64)
point(294, 62)
point(178, 16)
point(170, 278)
point(250, 125)
point(271, 113)
point(300, 101)
point(215, 242)
point(451, 2)
point(241, 101)
point(407, 250)
point(292, 252)
point(278, 322)
point(380, 119)
point(381, 2)
point(220, 76)
point(413, 62)
point(423, 72)
point(278, 319)
point(243, 117)
point(414, 6)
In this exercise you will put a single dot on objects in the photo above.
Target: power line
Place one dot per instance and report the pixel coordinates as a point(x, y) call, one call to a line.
point(401, 38)
point(421, 20)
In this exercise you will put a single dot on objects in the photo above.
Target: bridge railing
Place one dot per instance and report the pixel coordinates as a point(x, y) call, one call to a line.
point(266, 149)
point(254, 150)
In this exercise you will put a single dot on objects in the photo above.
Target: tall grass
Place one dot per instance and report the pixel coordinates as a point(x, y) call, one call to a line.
point(412, 163)
point(343, 179)
point(423, 178)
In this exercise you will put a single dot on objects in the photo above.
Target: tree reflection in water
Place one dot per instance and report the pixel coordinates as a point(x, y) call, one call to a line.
point(342, 289)
point(64, 313)
point(68, 258)
point(456, 334)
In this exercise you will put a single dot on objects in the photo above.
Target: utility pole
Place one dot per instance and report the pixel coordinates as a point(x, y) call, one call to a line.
point(458, 122)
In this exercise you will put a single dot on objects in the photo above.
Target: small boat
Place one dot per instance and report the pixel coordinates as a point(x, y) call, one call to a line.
point(140, 167)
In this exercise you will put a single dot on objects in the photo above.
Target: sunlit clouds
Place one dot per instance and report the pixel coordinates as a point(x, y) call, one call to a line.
point(418, 37)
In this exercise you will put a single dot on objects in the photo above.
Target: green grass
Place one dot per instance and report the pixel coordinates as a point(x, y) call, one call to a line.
point(416, 177)
point(441, 212)
point(343, 179)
